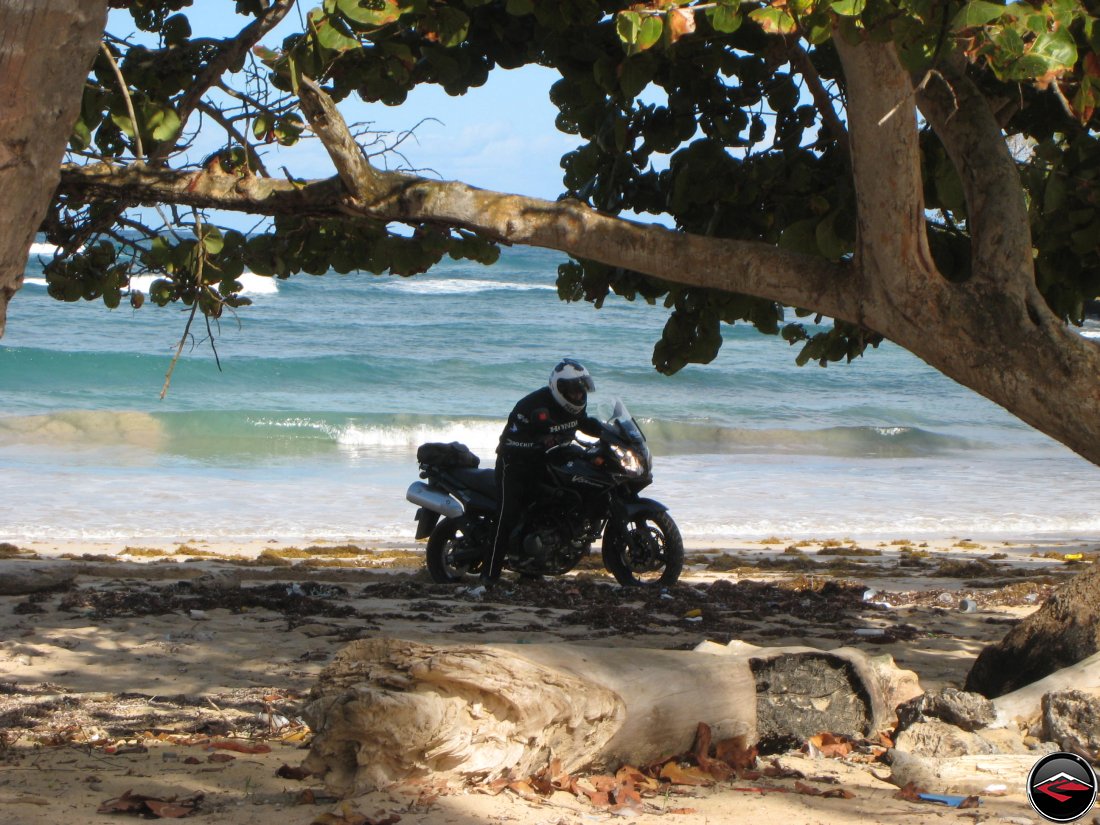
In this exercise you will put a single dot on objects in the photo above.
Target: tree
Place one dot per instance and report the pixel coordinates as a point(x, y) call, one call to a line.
point(918, 170)
point(39, 101)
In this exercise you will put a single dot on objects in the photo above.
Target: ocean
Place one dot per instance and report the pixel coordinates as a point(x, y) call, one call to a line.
point(307, 430)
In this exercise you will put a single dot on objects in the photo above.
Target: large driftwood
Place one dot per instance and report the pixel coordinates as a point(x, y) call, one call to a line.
point(1024, 705)
point(993, 773)
point(388, 710)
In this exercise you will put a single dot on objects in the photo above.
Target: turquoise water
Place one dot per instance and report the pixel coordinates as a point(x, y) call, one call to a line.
point(326, 386)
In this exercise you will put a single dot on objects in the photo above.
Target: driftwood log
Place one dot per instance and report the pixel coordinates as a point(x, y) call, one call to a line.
point(1024, 704)
point(388, 710)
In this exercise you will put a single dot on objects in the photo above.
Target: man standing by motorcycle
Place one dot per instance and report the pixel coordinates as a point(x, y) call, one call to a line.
point(541, 420)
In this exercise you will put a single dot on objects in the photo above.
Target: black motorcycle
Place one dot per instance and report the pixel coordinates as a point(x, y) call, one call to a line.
point(590, 489)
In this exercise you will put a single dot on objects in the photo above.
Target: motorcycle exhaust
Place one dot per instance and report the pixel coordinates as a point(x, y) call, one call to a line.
point(436, 501)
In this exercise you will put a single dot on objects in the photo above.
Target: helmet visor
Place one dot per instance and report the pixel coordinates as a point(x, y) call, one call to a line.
point(575, 390)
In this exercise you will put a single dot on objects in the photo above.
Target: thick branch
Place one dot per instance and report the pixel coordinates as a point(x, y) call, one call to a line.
point(736, 266)
point(363, 181)
point(996, 211)
point(892, 247)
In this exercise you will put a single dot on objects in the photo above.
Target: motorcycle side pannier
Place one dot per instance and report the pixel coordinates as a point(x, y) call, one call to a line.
point(451, 455)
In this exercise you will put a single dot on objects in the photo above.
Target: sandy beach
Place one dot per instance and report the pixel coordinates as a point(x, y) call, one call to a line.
point(168, 677)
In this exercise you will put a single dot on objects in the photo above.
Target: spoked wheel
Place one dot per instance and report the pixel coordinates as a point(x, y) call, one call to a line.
point(450, 554)
point(650, 554)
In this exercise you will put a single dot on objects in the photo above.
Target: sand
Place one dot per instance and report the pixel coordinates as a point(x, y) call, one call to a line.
point(175, 672)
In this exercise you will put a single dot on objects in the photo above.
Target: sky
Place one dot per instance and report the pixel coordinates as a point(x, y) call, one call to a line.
point(499, 136)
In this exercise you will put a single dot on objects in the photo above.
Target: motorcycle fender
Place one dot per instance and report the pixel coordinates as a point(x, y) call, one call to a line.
point(425, 522)
point(638, 506)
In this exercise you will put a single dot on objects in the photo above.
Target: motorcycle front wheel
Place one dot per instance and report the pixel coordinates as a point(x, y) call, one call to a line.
point(651, 553)
point(450, 554)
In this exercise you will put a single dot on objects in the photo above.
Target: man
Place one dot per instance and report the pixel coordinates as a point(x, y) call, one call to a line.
point(540, 421)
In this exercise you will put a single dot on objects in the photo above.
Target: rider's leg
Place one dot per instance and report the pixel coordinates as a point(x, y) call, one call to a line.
point(514, 482)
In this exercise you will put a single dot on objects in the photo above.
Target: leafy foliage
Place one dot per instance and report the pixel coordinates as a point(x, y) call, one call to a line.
point(723, 117)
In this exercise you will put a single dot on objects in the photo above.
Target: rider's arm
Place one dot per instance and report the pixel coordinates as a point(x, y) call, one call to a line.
point(590, 425)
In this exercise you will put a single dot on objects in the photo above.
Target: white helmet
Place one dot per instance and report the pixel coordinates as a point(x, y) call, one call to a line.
point(570, 384)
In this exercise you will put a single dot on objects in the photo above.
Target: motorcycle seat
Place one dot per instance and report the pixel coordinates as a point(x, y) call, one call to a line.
point(482, 481)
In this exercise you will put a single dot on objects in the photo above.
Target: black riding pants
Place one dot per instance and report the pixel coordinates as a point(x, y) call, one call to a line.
point(517, 482)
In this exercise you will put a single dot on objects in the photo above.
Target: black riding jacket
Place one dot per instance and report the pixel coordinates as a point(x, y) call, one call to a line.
point(537, 423)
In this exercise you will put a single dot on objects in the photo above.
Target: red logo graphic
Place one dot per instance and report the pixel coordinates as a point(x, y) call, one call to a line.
point(1062, 787)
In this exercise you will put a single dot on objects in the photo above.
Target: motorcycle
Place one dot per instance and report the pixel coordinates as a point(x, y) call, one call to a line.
point(590, 489)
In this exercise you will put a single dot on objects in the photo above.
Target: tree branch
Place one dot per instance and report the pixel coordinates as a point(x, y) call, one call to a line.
point(801, 61)
point(996, 211)
point(232, 51)
point(363, 182)
point(693, 260)
point(125, 91)
point(885, 152)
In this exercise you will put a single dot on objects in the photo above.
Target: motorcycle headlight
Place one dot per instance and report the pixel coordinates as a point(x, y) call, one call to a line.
point(630, 461)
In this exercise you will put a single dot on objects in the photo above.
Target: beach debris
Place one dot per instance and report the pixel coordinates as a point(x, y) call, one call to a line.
point(968, 606)
point(20, 577)
point(912, 793)
point(829, 745)
point(295, 772)
point(239, 746)
point(173, 807)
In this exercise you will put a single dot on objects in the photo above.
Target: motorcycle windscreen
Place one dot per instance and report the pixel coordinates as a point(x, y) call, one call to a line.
point(624, 421)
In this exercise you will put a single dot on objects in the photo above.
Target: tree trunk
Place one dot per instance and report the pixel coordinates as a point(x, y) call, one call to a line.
point(388, 710)
point(46, 47)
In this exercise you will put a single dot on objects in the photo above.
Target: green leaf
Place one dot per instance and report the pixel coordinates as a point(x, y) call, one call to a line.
point(801, 236)
point(635, 74)
point(162, 122)
point(1057, 50)
point(329, 36)
point(829, 241)
point(81, 138)
point(518, 8)
point(265, 55)
point(638, 31)
point(848, 8)
point(212, 240)
point(371, 13)
point(725, 19)
point(977, 13)
point(262, 125)
point(451, 25)
point(774, 20)
point(288, 129)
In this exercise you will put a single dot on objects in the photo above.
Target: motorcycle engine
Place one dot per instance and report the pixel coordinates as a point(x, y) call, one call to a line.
point(548, 544)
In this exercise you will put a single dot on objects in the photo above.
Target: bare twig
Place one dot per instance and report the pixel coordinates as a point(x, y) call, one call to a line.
point(820, 94)
point(126, 96)
point(232, 51)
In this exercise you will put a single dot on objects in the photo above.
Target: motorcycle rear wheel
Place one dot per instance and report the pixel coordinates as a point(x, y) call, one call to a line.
point(447, 538)
point(654, 555)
